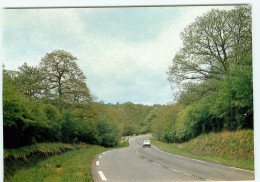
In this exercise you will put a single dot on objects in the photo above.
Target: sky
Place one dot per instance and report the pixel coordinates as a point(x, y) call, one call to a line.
point(124, 52)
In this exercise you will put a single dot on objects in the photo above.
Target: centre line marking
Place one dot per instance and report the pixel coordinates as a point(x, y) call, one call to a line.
point(97, 163)
point(102, 176)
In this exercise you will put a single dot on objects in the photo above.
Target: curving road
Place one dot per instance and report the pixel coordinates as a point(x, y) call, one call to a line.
point(136, 163)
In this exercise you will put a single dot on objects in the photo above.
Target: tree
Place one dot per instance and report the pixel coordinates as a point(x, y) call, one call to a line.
point(108, 132)
point(214, 73)
point(211, 44)
point(193, 92)
point(29, 79)
point(14, 112)
point(235, 96)
point(63, 82)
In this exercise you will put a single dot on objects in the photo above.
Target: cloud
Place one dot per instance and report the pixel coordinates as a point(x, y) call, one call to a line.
point(124, 57)
point(29, 34)
point(138, 71)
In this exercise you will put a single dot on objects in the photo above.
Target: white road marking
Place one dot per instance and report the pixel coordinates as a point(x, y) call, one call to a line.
point(102, 176)
point(100, 156)
point(186, 173)
point(176, 170)
point(97, 163)
point(180, 156)
point(242, 169)
point(199, 160)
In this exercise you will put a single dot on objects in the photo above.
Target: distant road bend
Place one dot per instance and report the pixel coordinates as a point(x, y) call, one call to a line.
point(136, 163)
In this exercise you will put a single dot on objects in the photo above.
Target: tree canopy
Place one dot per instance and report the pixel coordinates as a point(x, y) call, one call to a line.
point(63, 79)
point(51, 101)
point(211, 45)
point(213, 71)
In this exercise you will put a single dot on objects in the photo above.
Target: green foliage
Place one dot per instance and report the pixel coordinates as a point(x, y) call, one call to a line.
point(128, 117)
point(53, 104)
point(49, 162)
point(26, 120)
point(63, 81)
point(15, 113)
point(110, 134)
point(30, 80)
point(235, 98)
point(210, 44)
point(228, 104)
point(217, 56)
point(163, 121)
point(196, 119)
point(29, 156)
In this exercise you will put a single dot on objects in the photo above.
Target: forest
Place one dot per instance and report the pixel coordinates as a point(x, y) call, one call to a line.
point(52, 103)
point(211, 77)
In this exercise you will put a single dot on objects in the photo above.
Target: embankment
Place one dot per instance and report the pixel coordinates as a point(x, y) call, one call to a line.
point(229, 148)
point(29, 156)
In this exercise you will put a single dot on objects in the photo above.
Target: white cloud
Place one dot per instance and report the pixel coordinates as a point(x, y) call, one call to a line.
point(131, 68)
point(28, 37)
point(116, 70)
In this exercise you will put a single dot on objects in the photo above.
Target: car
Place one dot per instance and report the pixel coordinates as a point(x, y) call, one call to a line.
point(147, 143)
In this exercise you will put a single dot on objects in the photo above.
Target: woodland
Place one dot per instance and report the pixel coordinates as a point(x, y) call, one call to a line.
point(211, 78)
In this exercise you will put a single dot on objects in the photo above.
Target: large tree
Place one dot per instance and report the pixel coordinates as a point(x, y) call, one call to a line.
point(211, 45)
point(213, 71)
point(63, 81)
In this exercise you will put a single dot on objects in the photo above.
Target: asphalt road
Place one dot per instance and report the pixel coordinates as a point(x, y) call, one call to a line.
point(136, 163)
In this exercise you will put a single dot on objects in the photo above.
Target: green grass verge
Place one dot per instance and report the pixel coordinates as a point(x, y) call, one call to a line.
point(73, 165)
point(229, 148)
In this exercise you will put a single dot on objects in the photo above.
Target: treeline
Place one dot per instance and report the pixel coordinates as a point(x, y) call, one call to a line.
point(131, 118)
point(52, 103)
point(212, 78)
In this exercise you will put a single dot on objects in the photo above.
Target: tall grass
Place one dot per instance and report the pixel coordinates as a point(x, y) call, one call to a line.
point(29, 156)
point(70, 166)
point(230, 148)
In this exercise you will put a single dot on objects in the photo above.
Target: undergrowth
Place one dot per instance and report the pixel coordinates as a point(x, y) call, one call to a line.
point(29, 156)
point(229, 148)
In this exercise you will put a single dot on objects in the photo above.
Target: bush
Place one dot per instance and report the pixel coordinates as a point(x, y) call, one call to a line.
point(109, 133)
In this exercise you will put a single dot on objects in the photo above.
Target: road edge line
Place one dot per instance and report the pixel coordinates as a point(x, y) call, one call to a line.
point(202, 160)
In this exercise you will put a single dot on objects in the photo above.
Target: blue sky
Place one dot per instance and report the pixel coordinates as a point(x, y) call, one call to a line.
point(124, 52)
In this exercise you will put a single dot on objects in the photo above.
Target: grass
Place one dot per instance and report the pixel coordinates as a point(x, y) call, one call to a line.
point(70, 166)
point(74, 165)
point(228, 148)
point(29, 156)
